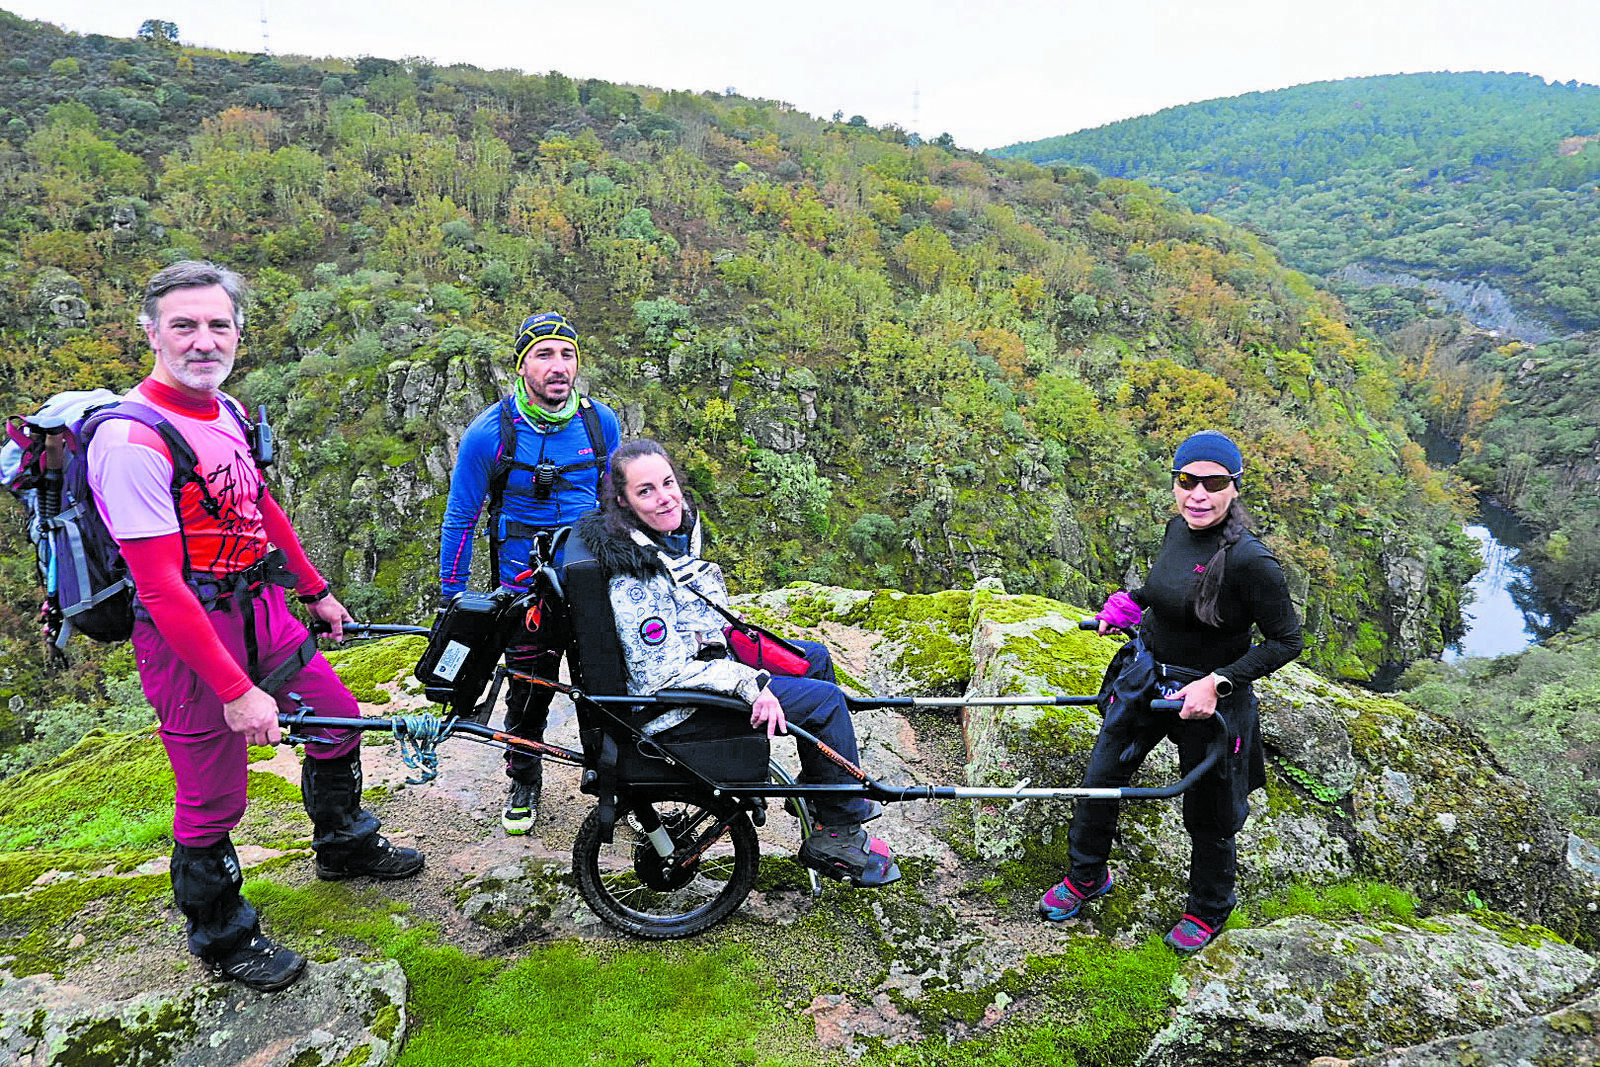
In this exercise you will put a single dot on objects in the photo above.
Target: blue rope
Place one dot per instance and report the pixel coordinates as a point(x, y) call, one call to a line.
point(418, 737)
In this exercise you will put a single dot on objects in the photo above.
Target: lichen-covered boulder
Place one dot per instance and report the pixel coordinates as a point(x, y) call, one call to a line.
point(1302, 987)
point(1303, 720)
point(56, 303)
point(1569, 1036)
point(905, 643)
point(1024, 646)
point(344, 1012)
point(1433, 810)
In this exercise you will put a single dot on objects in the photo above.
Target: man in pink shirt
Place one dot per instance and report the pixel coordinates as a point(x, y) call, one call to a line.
point(217, 646)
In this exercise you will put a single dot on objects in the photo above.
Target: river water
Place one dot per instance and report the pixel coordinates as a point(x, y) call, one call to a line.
point(1508, 611)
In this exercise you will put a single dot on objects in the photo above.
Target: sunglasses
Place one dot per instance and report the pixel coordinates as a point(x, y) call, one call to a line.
point(1214, 483)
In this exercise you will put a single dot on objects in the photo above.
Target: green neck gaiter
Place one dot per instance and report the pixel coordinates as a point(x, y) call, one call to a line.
point(536, 414)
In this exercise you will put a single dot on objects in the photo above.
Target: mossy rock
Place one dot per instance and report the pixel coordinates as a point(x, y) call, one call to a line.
point(109, 791)
point(1304, 987)
point(370, 668)
point(338, 1015)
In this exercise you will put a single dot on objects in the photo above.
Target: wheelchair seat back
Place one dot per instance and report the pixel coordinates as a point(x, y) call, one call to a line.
point(721, 747)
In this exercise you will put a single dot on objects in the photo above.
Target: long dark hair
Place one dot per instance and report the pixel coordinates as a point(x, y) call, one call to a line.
point(620, 519)
point(1235, 524)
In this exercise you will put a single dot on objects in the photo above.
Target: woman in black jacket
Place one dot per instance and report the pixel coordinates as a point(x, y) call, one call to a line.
point(1211, 582)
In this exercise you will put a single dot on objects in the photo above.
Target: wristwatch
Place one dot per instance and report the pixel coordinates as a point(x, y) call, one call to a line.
point(1224, 685)
point(763, 680)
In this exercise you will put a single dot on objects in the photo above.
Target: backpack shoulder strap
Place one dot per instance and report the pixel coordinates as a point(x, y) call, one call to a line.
point(246, 427)
point(182, 455)
point(591, 425)
point(597, 439)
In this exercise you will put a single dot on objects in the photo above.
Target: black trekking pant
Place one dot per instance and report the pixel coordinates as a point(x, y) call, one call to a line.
point(528, 706)
point(1214, 809)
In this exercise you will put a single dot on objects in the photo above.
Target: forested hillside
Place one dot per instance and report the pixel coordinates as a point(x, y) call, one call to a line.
point(1444, 175)
point(885, 363)
point(1461, 181)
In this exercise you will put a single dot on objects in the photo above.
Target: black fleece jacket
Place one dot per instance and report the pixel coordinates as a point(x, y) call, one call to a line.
point(1253, 593)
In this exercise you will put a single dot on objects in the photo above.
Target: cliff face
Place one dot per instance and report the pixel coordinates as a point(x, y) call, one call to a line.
point(1397, 886)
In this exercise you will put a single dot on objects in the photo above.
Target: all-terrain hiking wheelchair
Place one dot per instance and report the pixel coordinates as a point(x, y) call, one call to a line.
point(670, 848)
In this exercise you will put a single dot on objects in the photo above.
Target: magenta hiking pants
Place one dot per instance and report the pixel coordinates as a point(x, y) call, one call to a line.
point(209, 760)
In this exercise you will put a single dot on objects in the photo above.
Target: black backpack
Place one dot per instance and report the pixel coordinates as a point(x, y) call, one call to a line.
point(87, 586)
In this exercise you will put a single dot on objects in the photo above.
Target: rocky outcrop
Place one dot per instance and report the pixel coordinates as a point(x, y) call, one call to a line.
point(1569, 1036)
point(1368, 800)
point(344, 1012)
point(1302, 987)
point(56, 304)
point(1478, 302)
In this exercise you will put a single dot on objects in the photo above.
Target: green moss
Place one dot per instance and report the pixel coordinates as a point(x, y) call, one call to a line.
point(809, 609)
point(109, 1042)
point(35, 925)
point(1514, 931)
point(18, 870)
point(780, 873)
point(107, 792)
point(1359, 901)
point(889, 611)
point(1016, 608)
point(1575, 1023)
point(1090, 1004)
point(1066, 661)
point(366, 666)
point(386, 1017)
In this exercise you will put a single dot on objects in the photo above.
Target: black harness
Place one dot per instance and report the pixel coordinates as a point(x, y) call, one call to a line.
point(500, 475)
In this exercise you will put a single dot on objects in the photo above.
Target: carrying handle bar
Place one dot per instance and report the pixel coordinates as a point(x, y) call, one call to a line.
point(371, 629)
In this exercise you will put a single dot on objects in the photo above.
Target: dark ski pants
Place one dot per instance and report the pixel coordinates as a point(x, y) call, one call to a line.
point(1214, 809)
point(816, 704)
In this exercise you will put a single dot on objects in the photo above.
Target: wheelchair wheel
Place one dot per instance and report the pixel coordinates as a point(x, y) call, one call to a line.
point(635, 889)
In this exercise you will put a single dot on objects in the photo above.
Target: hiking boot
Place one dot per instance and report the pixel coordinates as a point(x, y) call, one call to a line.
point(260, 963)
point(1065, 900)
point(522, 808)
point(849, 854)
point(1190, 936)
point(373, 858)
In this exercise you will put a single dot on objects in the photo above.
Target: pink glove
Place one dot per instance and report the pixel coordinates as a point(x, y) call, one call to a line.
point(1120, 611)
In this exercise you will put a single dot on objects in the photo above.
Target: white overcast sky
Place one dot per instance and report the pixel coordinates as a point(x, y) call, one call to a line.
point(989, 74)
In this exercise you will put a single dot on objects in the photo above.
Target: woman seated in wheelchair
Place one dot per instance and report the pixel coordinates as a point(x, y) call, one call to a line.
point(646, 536)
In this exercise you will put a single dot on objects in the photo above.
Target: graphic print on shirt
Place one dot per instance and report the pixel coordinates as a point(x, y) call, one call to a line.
point(234, 539)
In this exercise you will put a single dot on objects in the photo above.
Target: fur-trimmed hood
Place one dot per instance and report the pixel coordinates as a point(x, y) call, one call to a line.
point(624, 556)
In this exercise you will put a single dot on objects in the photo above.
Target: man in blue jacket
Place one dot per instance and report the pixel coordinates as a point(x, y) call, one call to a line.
point(535, 458)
